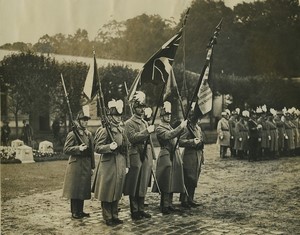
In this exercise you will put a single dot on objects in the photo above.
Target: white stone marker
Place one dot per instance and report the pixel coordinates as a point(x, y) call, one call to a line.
point(46, 147)
point(17, 143)
point(24, 154)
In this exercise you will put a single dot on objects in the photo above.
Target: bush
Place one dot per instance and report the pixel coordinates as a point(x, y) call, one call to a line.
point(8, 155)
point(41, 157)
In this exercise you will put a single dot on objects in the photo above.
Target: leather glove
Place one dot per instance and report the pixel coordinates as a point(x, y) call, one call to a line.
point(82, 147)
point(221, 137)
point(183, 124)
point(269, 137)
point(127, 169)
point(113, 146)
point(259, 139)
point(196, 140)
point(286, 137)
point(240, 139)
point(231, 137)
point(150, 128)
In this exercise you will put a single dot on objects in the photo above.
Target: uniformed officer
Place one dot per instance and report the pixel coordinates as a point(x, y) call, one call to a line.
point(223, 134)
point(273, 133)
point(254, 128)
point(281, 131)
point(141, 160)
point(77, 183)
point(169, 169)
point(192, 157)
point(242, 135)
point(290, 133)
point(232, 122)
point(113, 164)
point(265, 135)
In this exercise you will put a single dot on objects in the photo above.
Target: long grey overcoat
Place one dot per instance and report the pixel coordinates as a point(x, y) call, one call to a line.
point(77, 183)
point(192, 155)
point(169, 173)
point(223, 131)
point(138, 177)
point(241, 131)
point(281, 132)
point(111, 171)
point(273, 132)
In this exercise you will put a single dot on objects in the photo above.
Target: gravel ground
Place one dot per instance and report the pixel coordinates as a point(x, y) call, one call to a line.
point(236, 197)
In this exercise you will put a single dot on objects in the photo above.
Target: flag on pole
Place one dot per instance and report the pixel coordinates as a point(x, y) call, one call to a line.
point(158, 68)
point(91, 86)
point(205, 94)
point(170, 86)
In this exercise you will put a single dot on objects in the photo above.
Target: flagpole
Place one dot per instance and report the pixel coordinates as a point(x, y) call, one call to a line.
point(152, 172)
point(210, 47)
point(103, 115)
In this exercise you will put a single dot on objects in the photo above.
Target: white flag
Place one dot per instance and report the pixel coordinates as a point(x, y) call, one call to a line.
point(205, 94)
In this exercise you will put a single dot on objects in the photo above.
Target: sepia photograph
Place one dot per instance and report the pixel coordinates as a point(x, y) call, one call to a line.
point(150, 117)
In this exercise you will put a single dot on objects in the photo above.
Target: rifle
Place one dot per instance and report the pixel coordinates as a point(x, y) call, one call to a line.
point(145, 147)
point(74, 126)
point(103, 115)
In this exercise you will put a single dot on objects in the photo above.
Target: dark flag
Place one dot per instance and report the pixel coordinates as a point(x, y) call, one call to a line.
point(158, 68)
point(171, 86)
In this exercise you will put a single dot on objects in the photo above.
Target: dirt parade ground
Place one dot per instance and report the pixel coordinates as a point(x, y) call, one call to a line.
point(235, 197)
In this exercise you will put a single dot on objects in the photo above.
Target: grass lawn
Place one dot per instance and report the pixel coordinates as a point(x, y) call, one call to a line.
point(30, 178)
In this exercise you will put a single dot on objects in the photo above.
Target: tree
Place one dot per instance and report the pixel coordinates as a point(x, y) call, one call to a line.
point(271, 30)
point(74, 74)
point(144, 35)
point(44, 45)
point(29, 79)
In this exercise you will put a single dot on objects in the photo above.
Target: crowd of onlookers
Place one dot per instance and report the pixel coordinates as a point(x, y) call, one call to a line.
point(259, 134)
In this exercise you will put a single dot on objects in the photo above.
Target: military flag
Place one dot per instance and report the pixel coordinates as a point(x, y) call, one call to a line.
point(158, 68)
point(203, 93)
point(170, 86)
point(91, 85)
point(204, 96)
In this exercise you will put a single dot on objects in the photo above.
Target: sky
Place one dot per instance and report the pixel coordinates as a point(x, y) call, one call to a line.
point(28, 20)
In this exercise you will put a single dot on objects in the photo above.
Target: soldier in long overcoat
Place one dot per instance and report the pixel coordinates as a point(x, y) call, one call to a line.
point(77, 183)
point(273, 133)
point(223, 134)
point(232, 122)
point(254, 129)
point(281, 131)
point(242, 135)
point(141, 160)
point(290, 134)
point(114, 162)
point(193, 159)
point(169, 169)
point(265, 135)
point(295, 122)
